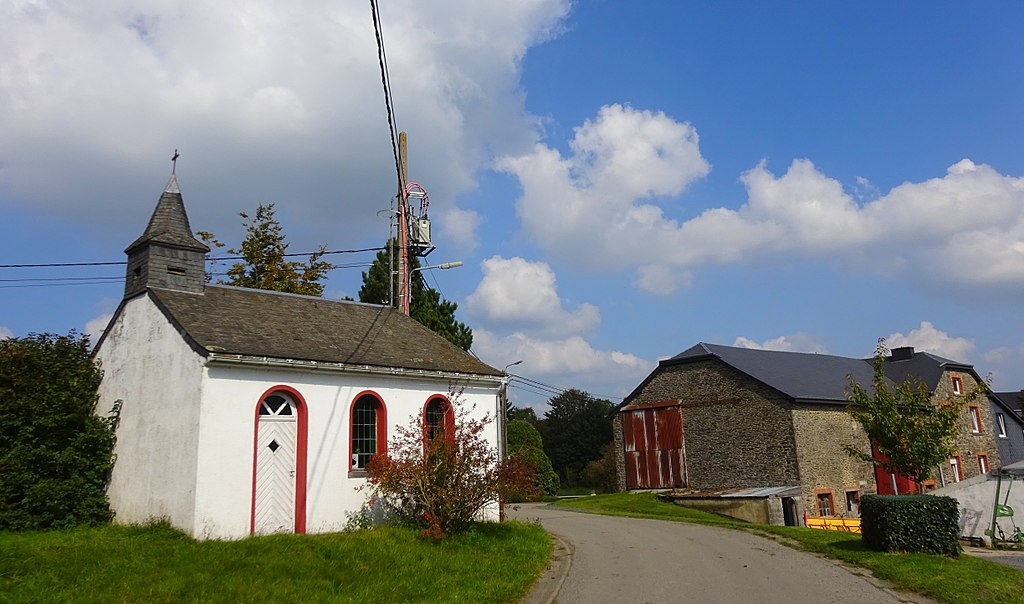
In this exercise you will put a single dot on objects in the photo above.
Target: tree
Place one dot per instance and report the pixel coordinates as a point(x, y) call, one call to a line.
point(264, 263)
point(523, 413)
point(525, 444)
point(380, 286)
point(442, 484)
point(912, 432)
point(576, 427)
point(601, 474)
point(55, 453)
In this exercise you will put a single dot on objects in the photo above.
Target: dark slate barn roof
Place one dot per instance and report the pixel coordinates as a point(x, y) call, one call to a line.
point(257, 323)
point(1013, 400)
point(804, 377)
point(925, 366)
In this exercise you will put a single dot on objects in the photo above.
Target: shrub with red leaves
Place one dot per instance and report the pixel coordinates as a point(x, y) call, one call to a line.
point(443, 484)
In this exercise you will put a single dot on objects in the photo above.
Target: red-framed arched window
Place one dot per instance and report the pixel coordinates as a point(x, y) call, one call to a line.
point(368, 429)
point(438, 418)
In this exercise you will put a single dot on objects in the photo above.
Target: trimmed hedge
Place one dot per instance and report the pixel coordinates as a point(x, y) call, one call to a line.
point(910, 523)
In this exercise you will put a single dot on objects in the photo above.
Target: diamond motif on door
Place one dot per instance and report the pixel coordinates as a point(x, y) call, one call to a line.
point(275, 470)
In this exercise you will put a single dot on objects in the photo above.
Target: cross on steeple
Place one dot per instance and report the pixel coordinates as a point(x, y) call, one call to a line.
point(174, 161)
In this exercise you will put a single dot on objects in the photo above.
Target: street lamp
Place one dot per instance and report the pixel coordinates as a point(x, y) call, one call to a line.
point(406, 278)
point(503, 414)
point(504, 408)
point(443, 265)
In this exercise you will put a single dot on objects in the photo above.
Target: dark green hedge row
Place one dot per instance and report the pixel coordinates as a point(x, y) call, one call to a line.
point(910, 523)
point(55, 453)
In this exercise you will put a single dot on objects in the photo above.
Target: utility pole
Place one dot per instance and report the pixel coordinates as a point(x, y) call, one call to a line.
point(403, 224)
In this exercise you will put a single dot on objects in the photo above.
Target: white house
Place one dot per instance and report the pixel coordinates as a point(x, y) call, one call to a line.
point(247, 411)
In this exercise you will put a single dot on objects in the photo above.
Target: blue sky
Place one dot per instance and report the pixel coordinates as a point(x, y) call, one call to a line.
point(621, 180)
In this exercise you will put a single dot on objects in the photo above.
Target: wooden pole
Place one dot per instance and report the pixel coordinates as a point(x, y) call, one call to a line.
point(403, 225)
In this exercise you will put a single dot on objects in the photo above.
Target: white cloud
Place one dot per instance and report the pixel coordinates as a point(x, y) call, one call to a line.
point(520, 316)
point(1003, 355)
point(572, 360)
point(798, 342)
point(965, 229)
point(5, 333)
point(519, 293)
point(96, 326)
point(586, 209)
point(267, 101)
point(927, 338)
point(458, 228)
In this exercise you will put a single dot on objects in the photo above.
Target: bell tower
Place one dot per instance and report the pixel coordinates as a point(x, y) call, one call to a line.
point(167, 255)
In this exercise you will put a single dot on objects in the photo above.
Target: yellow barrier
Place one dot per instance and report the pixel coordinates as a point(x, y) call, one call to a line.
point(849, 525)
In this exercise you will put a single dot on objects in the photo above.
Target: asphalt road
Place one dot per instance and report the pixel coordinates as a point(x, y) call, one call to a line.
point(635, 560)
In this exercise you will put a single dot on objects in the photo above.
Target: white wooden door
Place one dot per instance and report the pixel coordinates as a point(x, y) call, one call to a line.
point(275, 467)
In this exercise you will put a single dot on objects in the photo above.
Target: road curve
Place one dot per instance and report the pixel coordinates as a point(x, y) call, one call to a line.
point(618, 559)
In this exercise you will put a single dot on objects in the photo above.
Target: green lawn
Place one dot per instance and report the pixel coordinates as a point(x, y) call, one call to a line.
point(493, 563)
point(964, 580)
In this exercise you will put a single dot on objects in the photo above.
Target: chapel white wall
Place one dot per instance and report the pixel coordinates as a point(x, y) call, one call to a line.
point(227, 429)
point(148, 366)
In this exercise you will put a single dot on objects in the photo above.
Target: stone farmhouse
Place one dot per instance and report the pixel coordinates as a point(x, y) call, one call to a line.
point(248, 412)
point(762, 434)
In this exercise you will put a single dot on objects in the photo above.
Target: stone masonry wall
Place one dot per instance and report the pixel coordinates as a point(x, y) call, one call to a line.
point(968, 443)
point(620, 453)
point(738, 432)
point(822, 432)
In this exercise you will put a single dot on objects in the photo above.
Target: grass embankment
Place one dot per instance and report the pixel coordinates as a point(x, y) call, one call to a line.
point(493, 563)
point(964, 580)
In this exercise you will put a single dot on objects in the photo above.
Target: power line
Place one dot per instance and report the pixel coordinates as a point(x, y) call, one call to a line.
point(95, 282)
point(211, 259)
point(542, 388)
point(107, 279)
point(385, 81)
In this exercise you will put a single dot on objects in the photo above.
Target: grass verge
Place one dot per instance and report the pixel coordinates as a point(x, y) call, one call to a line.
point(963, 580)
point(155, 563)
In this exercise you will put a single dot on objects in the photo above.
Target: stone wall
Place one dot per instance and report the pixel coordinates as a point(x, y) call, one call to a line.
point(822, 433)
point(969, 444)
point(620, 452)
point(737, 432)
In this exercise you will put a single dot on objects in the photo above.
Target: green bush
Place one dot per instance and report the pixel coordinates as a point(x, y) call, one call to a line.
point(55, 453)
point(545, 479)
point(526, 445)
point(521, 434)
point(910, 523)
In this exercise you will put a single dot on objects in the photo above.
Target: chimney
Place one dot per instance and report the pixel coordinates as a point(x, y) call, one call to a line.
point(904, 353)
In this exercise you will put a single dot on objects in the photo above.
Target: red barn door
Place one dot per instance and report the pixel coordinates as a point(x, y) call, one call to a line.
point(653, 438)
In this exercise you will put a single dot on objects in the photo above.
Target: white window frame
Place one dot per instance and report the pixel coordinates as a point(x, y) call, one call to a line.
point(975, 412)
point(852, 502)
point(983, 463)
point(829, 510)
point(954, 466)
point(958, 385)
point(1001, 425)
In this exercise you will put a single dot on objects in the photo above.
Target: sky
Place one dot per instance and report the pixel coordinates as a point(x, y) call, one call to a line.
point(621, 180)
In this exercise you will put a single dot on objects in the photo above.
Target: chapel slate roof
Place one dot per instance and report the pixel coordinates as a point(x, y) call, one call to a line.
point(804, 377)
point(169, 223)
point(259, 323)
